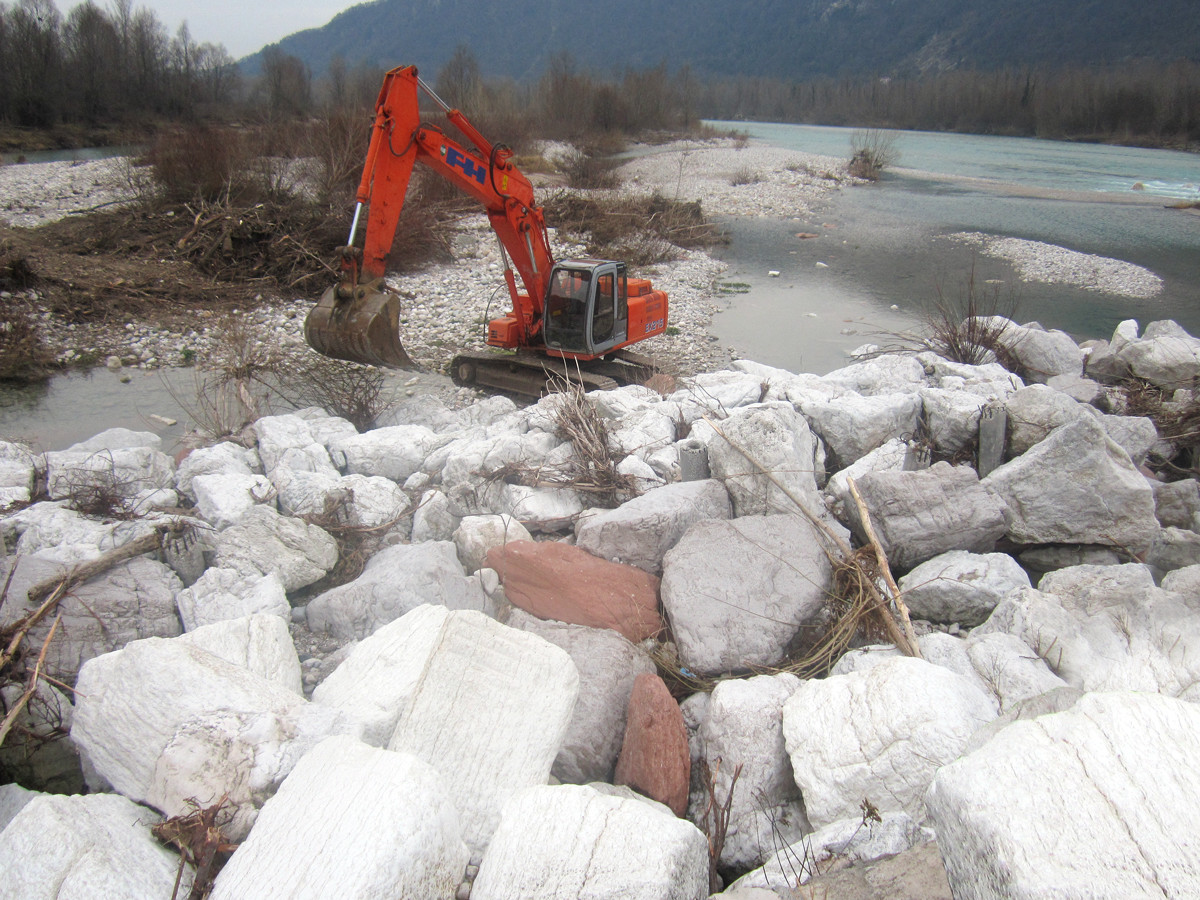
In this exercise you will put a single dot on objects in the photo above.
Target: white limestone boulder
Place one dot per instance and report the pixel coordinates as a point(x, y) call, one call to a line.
point(1173, 548)
point(84, 848)
point(117, 439)
point(852, 425)
point(372, 686)
point(779, 441)
point(736, 592)
point(952, 418)
point(264, 542)
point(476, 535)
point(1177, 503)
point(640, 531)
point(922, 514)
point(134, 599)
point(1165, 355)
point(887, 458)
point(642, 433)
point(879, 735)
point(544, 509)
point(51, 531)
point(166, 722)
point(743, 727)
point(17, 478)
point(394, 452)
point(1076, 487)
point(489, 711)
point(396, 580)
point(353, 500)
point(1010, 669)
point(1136, 435)
point(261, 644)
point(1082, 803)
point(223, 499)
point(1041, 354)
point(467, 460)
point(961, 587)
point(225, 458)
point(123, 471)
point(435, 518)
point(13, 799)
point(1106, 628)
point(608, 665)
point(351, 821)
point(325, 428)
point(276, 435)
point(573, 841)
point(220, 594)
point(718, 393)
point(1035, 411)
point(885, 374)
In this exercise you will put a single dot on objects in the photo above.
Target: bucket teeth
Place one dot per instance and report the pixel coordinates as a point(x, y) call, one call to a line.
point(364, 329)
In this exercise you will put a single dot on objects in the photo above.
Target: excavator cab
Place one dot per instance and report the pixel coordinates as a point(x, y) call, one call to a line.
point(587, 308)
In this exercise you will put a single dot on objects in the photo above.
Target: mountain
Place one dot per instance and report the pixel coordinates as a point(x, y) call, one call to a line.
point(792, 39)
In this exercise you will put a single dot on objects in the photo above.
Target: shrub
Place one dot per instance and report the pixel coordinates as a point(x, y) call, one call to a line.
point(23, 353)
point(872, 151)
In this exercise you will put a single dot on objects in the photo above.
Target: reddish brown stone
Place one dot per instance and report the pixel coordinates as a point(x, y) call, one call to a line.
point(654, 759)
point(561, 582)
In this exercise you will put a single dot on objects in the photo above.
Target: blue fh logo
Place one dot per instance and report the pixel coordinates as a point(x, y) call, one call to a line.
point(468, 166)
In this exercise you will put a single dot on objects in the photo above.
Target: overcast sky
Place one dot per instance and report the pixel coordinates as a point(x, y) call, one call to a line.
point(243, 26)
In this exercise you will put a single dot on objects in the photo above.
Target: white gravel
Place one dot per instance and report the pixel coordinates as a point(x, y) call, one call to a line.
point(1048, 263)
point(33, 194)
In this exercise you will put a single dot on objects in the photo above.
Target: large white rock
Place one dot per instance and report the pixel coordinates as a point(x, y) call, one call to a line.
point(608, 665)
point(223, 498)
point(1035, 411)
point(264, 542)
point(132, 600)
point(1106, 628)
point(279, 434)
point(354, 500)
point(952, 418)
point(489, 711)
point(1083, 803)
point(641, 531)
point(221, 594)
point(476, 535)
point(351, 821)
point(960, 586)
point(743, 728)
point(641, 434)
point(1165, 355)
point(1041, 354)
point(764, 438)
point(852, 425)
point(123, 472)
point(887, 458)
point(17, 477)
point(921, 514)
point(394, 452)
point(51, 531)
point(13, 799)
point(260, 643)
point(165, 721)
point(737, 591)
point(886, 374)
point(395, 581)
point(572, 841)
point(117, 439)
point(879, 735)
point(85, 848)
point(1076, 487)
point(225, 458)
point(1010, 669)
point(372, 686)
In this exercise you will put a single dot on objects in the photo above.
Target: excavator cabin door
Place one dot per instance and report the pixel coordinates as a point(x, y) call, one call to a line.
point(587, 309)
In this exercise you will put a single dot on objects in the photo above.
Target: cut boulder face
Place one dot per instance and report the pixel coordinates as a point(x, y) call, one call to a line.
point(225, 458)
point(394, 452)
point(260, 643)
point(85, 847)
point(167, 722)
point(264, 541)
point(907, 718)
point(952, 418)
point(476, 535)
point(1041, 354)
point(372, 686)
point(223, 498)
point(919, 515)
point(641, 531)
point(1076, 487)
point(1035, 411)
point(1106, 628)
point(351, 821)
point(654, 757)
point(132, 600)
point(481, 672)
point(961, 587)
point(743, 728)
point(573, 841)
point(395, 581)
point(852, 426)
point(567, 584)
point(221, 594)
point(1083, 803)
point(608, 664)
point(737, 592)
point(766, 438)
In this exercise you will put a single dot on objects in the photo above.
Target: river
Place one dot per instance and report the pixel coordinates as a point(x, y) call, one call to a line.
point(883, 255)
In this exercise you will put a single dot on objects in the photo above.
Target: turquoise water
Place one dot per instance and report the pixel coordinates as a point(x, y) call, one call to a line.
point(885, 245)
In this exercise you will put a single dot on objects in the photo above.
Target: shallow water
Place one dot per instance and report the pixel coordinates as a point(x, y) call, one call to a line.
point(885, 245)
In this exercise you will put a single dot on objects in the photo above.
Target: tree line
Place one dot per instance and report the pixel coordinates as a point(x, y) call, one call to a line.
point(1151, 104)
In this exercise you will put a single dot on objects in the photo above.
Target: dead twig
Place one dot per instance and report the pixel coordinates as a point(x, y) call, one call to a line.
point(31, 686)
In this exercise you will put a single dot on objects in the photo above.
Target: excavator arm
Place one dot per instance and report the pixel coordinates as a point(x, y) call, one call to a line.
point(357, 320)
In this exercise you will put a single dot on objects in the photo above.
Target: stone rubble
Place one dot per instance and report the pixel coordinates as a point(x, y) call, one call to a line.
point(411, 731)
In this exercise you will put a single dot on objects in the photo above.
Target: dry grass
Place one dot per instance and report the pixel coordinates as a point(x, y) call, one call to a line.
point(24, 356)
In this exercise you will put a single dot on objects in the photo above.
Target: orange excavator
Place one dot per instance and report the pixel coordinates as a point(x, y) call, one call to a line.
point(571, 318)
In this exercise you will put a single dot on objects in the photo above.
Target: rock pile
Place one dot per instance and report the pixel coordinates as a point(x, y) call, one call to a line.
point(522, 695)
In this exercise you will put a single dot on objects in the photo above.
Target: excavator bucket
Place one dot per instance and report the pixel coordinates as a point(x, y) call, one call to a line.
point(364, 328)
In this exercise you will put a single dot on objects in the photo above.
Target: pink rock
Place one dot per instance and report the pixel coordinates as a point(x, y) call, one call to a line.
point(654, 758)
point(561, 582)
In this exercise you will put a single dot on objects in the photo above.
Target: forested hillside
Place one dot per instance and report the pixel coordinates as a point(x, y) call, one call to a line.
point(792, 39)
